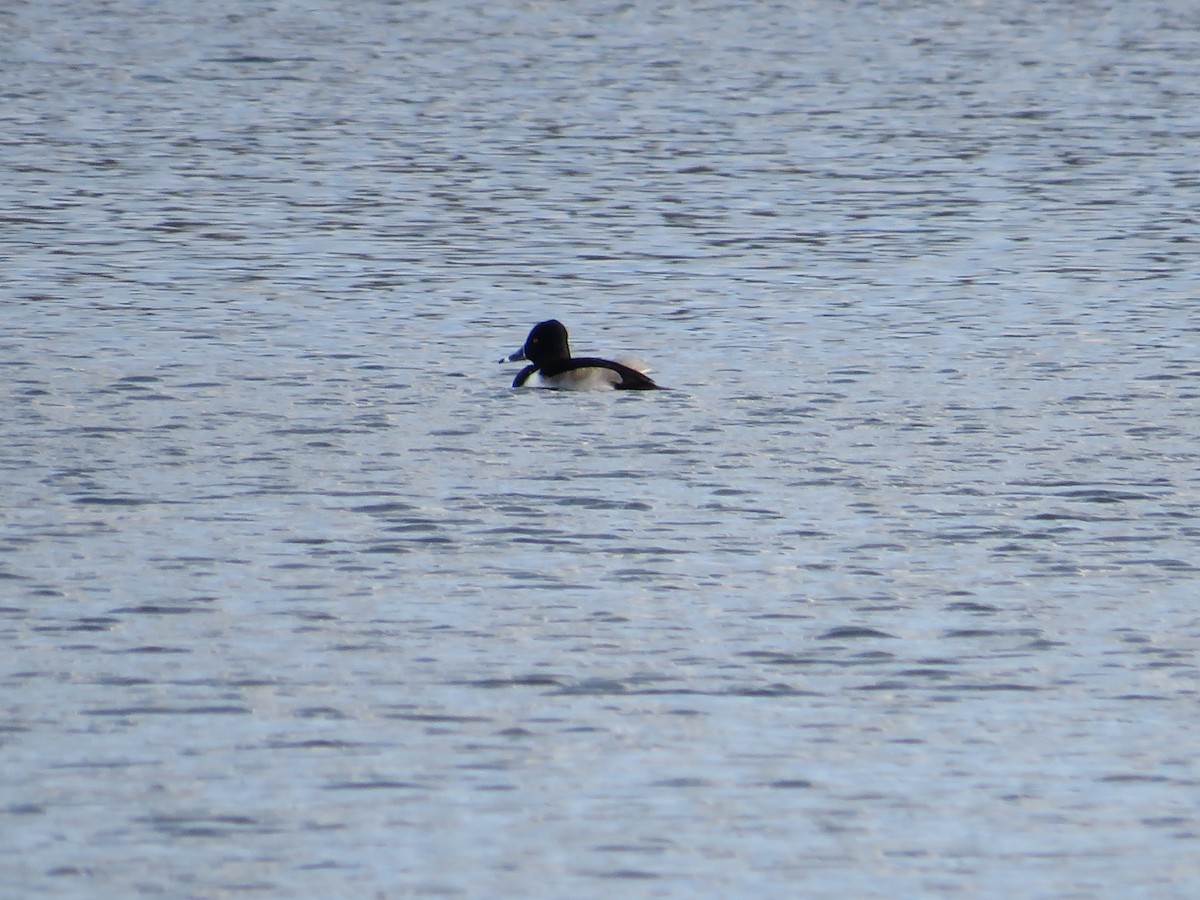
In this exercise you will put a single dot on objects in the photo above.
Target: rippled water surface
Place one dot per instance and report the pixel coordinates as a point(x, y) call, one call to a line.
point(894, 594)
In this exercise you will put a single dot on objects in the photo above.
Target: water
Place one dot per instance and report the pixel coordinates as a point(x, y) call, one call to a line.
point(892, 595)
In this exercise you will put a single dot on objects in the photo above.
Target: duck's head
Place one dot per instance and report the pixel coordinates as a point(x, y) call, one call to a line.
point(547, 341)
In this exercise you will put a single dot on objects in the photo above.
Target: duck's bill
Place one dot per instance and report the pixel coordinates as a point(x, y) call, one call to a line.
point(516, 357)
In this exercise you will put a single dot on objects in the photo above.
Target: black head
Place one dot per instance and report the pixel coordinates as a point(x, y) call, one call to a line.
point(546, 342)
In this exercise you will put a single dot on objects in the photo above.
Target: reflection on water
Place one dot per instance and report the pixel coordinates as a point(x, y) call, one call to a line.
point(893, 593)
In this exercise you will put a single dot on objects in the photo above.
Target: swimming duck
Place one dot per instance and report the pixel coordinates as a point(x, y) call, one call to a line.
point(552, 366)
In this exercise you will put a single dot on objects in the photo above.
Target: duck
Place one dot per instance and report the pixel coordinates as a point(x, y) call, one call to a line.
point(551, 365)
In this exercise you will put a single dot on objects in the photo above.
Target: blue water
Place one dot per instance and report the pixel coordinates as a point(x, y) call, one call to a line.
point(894, 594)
